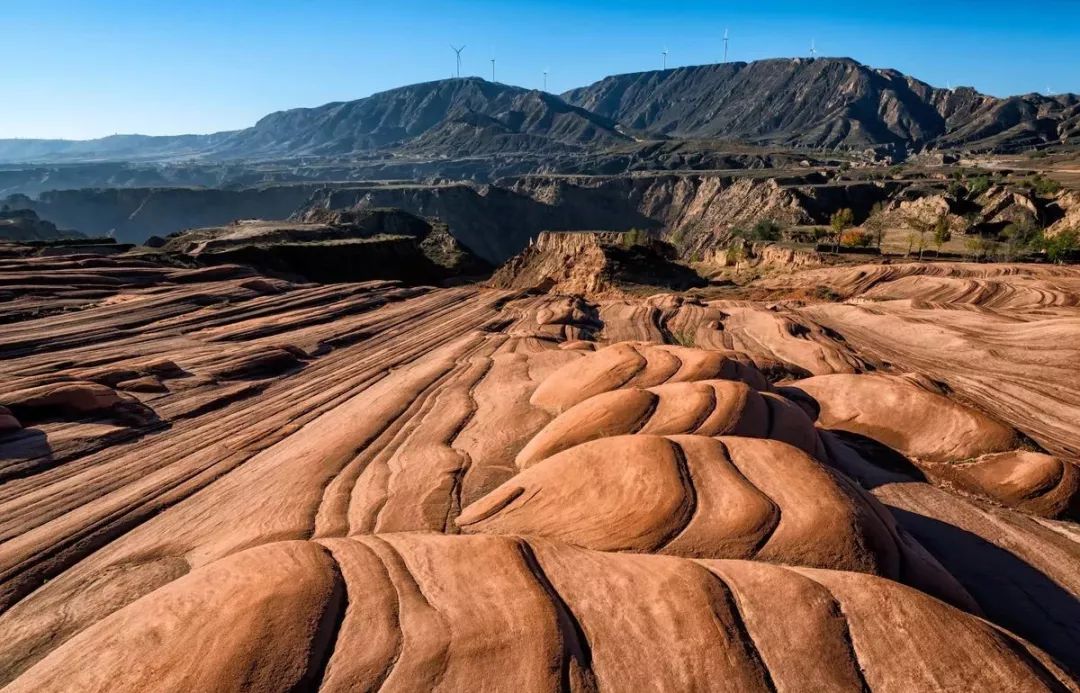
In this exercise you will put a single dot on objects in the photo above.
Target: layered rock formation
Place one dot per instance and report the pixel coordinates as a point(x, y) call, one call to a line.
point(369, 244)
point(212, 479)
point(594, 263)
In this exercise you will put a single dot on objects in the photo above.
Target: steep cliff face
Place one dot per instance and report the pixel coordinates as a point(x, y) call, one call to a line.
point(336, 247)
point(696, 213)
point(493, 221)
point(497, 221)
point(134, 214)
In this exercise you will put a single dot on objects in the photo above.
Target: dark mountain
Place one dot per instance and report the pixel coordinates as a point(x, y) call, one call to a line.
point(452, 116)
point(459, 117)
point(826, 103)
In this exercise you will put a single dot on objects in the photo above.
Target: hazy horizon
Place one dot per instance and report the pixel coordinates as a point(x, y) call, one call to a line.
point(94, 69)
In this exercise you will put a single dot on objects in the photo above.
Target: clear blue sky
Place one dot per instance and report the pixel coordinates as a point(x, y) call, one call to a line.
point(80, 69)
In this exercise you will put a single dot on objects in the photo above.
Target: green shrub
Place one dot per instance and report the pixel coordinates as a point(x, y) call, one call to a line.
point(1061, 247)
point(825, 293)
point(1045, 187)
point(766, 230)
point(978, 186)
point(634, 238)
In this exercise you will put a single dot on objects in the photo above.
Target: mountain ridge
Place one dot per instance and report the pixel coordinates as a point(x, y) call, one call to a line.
point(822, 103)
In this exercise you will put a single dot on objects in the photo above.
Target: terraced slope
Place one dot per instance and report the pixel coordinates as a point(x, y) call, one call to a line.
point(214, 480)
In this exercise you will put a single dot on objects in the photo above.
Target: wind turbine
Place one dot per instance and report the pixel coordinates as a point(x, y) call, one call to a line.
point(664, 53)
point(813, 50)
point(725, 43)
point(492, 68)
point(545, 78)
point(458, 52)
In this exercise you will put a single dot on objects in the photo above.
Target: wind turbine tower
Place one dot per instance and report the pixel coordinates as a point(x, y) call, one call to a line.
point(457, 51)
point(493, 68)
point(813, 49)
point(545, 78)
point(725, 43)
point(664, 53)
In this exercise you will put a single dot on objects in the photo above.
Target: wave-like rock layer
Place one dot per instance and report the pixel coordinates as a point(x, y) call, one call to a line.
point(212, 480)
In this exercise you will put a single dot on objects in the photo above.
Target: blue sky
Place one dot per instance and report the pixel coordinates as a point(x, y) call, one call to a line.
point(80, 69)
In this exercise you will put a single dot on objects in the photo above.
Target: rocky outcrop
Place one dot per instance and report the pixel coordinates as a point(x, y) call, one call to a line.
point(1064, 213)
point(25, 225)
point(351, 246)
point(593, 264)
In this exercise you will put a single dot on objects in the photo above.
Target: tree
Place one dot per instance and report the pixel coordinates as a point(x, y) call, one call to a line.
point(973, 247)
point(1022, 235)
point(1061, 247)
point(942, 231)
point(922, 227)
point(856, 238)
point(988, 248)
point(840, 220)
point(875, 224)
point(982, 248)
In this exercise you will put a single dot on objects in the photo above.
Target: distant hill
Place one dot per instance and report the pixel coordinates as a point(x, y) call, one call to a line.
point(824, 103)
point(112, 148)
point(447, 116)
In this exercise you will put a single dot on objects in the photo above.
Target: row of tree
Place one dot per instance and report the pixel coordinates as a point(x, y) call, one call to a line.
point(1018, 239)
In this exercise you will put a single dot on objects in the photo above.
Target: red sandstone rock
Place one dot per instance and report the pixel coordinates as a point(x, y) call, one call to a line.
point(279, 514)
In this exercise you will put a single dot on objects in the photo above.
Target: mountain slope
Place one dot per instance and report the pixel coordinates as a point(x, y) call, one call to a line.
point(823, 103)
point(435, 112)
point(447, 117)
point(111, 148)
point(829, 102)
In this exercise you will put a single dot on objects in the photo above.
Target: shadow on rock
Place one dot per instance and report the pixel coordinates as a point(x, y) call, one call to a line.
point(1012, 593)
